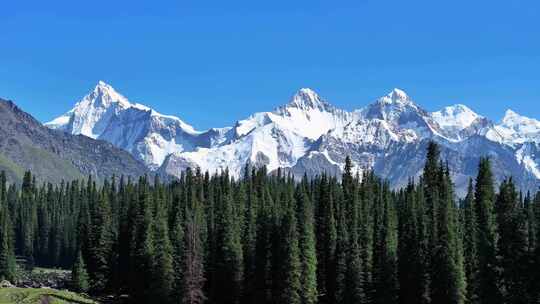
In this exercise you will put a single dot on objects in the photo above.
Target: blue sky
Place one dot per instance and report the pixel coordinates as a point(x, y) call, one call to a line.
point(213, 62)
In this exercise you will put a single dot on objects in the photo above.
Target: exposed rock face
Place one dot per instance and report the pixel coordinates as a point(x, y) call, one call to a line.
point(25, 144)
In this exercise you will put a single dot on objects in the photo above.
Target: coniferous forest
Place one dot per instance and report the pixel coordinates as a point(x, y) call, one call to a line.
point(268, 239)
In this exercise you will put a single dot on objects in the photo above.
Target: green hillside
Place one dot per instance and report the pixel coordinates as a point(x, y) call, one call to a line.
point(39, 296)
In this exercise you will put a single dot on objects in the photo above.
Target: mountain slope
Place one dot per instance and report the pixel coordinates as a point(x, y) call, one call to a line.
point(25, 144)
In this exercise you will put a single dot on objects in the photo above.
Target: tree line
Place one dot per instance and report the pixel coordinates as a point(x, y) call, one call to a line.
point(270, 239)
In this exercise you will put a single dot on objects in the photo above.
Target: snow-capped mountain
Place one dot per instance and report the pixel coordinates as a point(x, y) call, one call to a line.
point(148, 135)
point(274, 139)
point(515, 129)
point(309, 135)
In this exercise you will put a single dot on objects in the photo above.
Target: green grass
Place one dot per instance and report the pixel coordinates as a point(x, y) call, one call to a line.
point(40, 296)
point(51, 163)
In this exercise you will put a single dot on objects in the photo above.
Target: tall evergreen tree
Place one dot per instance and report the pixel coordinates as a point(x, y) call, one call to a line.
point(410, 260)
point(230, 265)
point(7, 253)
point(291, 267)
point(384, 251)
point(512, 244)
point(101, 242)
point(193, 274)
point(79, 276)
point(448, 282)
point(470, 243)
point(306, 243)
point(163, 271)
point(488, 290)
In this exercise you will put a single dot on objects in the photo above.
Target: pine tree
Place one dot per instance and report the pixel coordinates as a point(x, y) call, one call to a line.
point(410, 261)
point(249, 236)
point(326, 241)
point(470, 242)
point(79, 276)
point(101, 242)
point(142, 253)
point(342, 248)
point(488, 290)
point(193, 274)
point(306, 243)
point(7, 253)
point(230, 265)
point(384, 251)
point(512, 244)
point(163, 271)
point(178, 251)
point(448, 282)
point(291, 267)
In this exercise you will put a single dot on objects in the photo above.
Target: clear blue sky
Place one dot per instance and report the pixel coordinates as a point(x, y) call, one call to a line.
point(213, 62)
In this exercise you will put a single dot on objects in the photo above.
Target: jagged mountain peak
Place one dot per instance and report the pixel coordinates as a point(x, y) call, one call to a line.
point(307, 99)
point(457, 116)
point(392, 107)
point(396, 96)
point(103, 95)
point(512, 118)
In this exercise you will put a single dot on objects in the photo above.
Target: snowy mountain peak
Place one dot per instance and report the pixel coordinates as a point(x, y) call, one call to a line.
point(391, 107)
point(515, 129)
point(103, 96)
point(524, 125)
point(396, 96)
point(306, 99)
point(457, 116)
point(512, 118)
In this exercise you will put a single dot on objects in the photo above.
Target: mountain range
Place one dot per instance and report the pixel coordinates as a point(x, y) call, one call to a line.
point(308, 135)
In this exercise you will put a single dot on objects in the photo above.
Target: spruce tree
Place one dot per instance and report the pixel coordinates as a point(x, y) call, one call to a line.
point(342, 248)
point(101, 242)
point(7, 253)
point(230, 265)
point(448, 282)
point(307, 248)
point(163, 271)
point(143, 250)
point(178, 251)
point(488, 289)
point(470, 243)
point(512, 244)
point(193, 274)
point(410, 260)
point(291, 267)
point(79, 276)
point(384, 251)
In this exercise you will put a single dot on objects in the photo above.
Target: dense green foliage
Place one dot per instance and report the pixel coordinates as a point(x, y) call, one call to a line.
point(269, 239)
